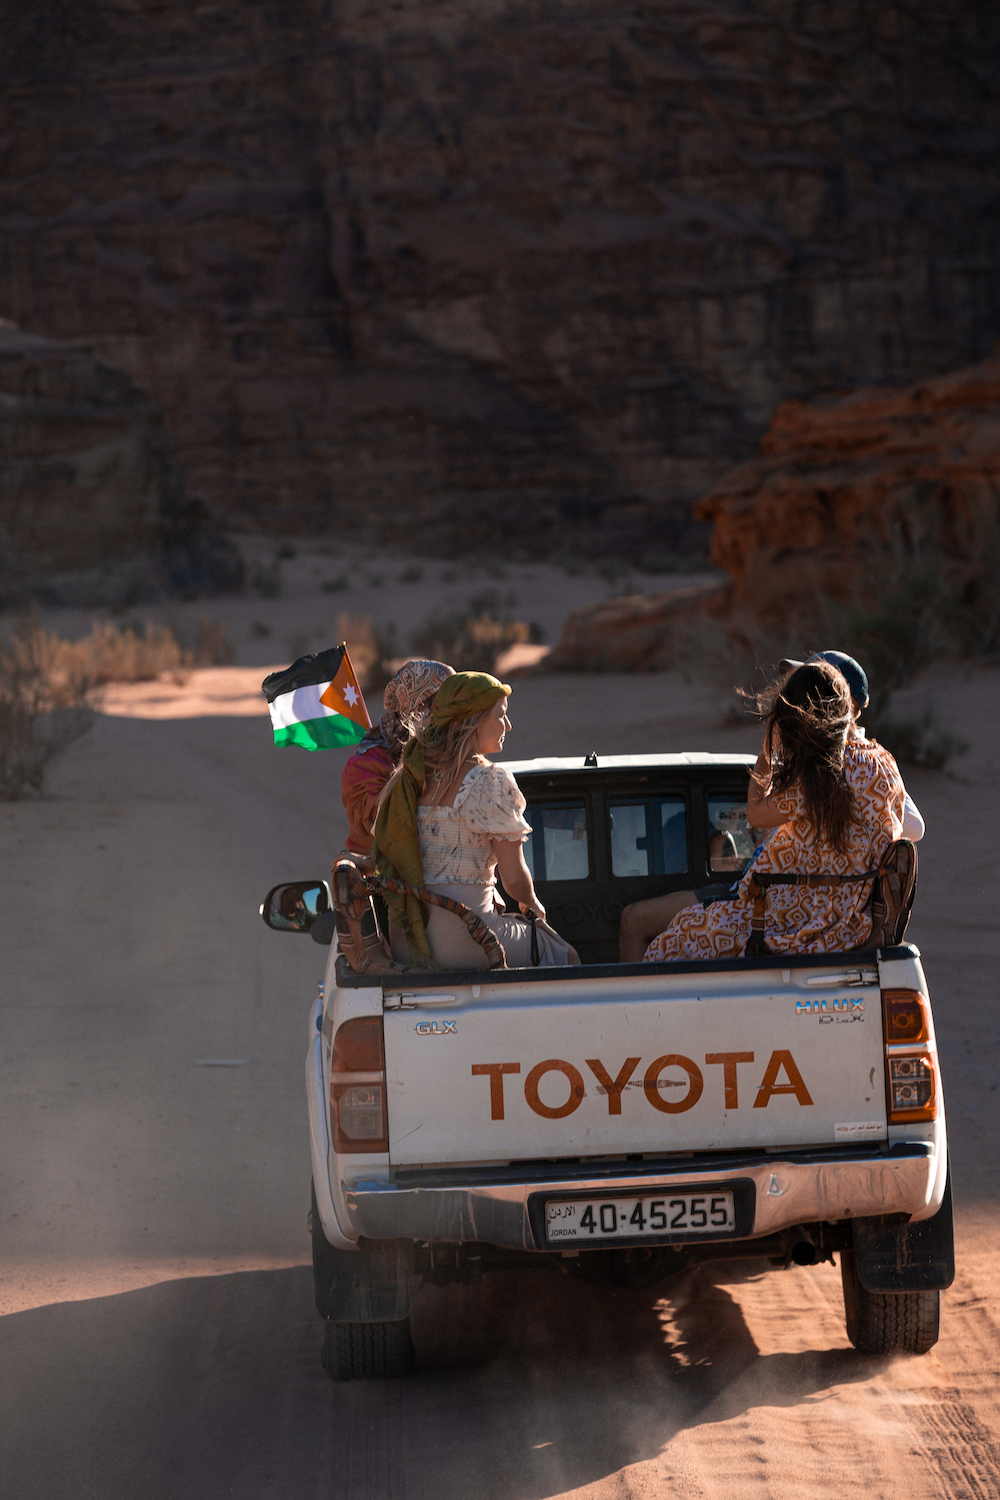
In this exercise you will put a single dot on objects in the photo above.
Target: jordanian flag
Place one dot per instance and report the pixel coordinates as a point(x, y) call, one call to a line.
point(316, 702)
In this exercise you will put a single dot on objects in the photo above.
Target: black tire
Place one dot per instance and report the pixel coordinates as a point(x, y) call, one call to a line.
point(367, 1351)
point(888, 1322)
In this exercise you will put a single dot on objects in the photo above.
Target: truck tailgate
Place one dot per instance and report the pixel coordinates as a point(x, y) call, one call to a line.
point(597, 1067)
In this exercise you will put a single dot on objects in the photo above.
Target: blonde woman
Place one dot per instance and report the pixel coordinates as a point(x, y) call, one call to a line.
point(450, 820)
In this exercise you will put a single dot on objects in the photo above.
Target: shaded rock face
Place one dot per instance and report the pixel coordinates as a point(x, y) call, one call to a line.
point(92, 503)
point(632, 632)
point(845, 494)
point(529, 275)
point(846, 498)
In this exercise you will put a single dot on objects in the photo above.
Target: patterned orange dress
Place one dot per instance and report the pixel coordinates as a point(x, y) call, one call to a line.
point(831, 919)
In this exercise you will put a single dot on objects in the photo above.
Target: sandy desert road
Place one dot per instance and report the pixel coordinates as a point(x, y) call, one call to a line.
point(158, 1339)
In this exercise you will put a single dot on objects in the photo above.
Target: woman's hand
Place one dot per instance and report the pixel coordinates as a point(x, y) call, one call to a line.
point(534, 905)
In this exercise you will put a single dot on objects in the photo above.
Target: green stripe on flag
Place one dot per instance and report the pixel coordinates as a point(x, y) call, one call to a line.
point(321, 734)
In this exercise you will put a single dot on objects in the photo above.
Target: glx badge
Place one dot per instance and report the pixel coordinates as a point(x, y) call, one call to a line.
point(436, 1028)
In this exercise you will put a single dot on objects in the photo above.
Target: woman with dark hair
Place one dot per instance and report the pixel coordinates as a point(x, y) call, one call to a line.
point(835, 803)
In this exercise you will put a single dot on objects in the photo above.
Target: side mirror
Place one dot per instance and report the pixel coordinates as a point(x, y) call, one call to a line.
point(294, 907)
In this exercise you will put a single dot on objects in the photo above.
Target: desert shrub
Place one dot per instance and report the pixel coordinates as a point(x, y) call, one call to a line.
point(43, 708)
point(918, 741)
point(905, 634)
point(113, 653)
point(920, 620)
point(47, 684)
point(472, 639)
point(212, 646)
point(368, 648)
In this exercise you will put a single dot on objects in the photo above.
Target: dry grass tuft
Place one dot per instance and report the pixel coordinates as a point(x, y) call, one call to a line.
point(47, 685)
point(43, 707)
point(472, 639)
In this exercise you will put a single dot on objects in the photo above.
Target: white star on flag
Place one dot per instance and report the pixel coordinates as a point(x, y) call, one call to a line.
point(350, 694)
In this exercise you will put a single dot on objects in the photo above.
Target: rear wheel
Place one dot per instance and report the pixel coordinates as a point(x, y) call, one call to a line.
point(888, 1322)
point(367, 1351)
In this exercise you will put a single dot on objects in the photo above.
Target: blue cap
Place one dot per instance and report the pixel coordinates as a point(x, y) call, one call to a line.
point(850, 669)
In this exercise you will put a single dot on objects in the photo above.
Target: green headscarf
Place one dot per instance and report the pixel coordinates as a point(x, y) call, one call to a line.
point(397, 841)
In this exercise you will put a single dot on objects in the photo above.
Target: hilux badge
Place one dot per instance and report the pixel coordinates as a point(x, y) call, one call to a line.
point(436, 1028)
point(827, 1009)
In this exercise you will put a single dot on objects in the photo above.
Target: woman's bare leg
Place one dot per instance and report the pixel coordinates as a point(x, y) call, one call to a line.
point(644, 920)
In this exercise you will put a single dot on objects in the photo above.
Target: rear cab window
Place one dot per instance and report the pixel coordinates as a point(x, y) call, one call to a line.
point(609, 835)
point(731, 841)
point(558, 847)
point(648, 836)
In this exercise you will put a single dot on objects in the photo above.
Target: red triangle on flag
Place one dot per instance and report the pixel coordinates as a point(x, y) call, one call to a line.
point(344, 695)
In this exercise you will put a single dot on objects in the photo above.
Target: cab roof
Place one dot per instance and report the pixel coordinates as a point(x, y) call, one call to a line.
point(547, 764)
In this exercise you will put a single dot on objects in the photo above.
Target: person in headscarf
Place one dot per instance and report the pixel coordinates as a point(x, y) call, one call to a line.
point(450, 820)
point(406, 701)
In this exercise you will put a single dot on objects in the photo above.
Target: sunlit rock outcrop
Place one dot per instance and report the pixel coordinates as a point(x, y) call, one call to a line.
point(846, 494)
point(846, 500)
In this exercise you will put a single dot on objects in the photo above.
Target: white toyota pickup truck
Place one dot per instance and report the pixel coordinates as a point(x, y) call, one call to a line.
point(624, 1121)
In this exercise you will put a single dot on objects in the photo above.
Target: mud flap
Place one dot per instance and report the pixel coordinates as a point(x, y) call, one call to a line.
point(894, 1257)
point(373, 1284)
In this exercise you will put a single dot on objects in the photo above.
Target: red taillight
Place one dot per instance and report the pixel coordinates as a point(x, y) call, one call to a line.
point(910, 1076)
point(912, 1088)
point(905, 1016)
point(357, 1087)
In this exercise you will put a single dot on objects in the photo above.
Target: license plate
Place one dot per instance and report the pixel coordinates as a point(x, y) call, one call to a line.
point(586, 1220)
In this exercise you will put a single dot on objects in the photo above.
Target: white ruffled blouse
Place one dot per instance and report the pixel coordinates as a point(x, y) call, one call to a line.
point(456, 843)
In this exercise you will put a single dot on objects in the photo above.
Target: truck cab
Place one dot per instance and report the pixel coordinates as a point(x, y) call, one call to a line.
point(623, 1122)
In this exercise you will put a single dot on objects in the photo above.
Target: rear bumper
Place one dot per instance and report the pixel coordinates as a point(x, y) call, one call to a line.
point(505, 1207)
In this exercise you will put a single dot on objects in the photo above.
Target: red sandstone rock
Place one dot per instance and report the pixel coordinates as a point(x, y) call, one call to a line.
point(845, 495)
point(632, 632)
point(844, 492)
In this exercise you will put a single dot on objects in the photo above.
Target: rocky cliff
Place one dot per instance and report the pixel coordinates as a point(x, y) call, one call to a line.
point(847, 500)
point(536, 271)
point(93, 507)
point(847, 495)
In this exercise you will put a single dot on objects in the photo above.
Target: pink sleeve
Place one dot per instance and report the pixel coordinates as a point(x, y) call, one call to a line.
point(361, 783)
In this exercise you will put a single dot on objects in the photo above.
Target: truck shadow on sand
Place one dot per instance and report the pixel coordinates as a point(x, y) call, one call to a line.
point(526, 1386)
